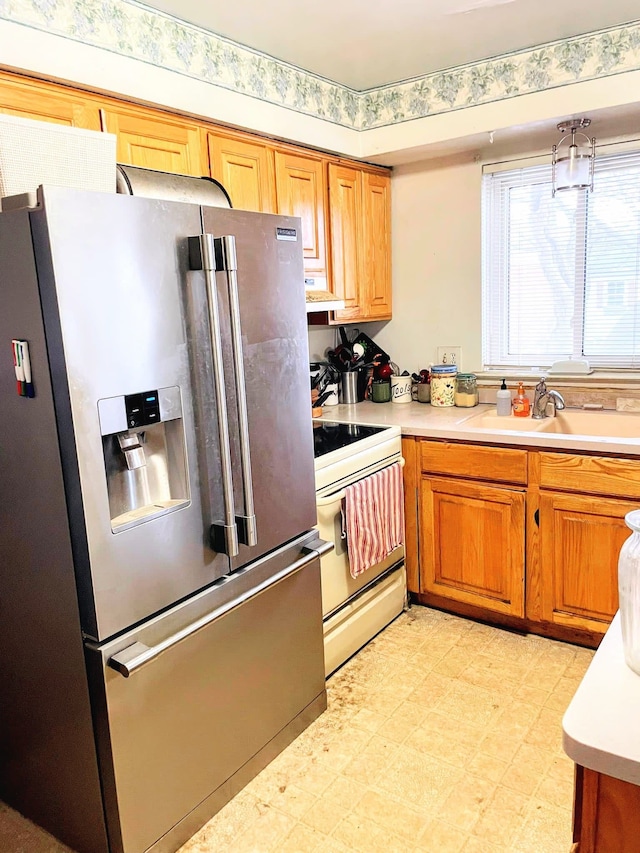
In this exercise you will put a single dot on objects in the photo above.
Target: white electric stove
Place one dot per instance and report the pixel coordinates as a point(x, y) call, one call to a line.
point(354, 609)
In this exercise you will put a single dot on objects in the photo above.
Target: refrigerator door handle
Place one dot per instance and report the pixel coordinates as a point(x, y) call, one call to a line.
point(226, 260)
point(223, 537)
point(130, 659)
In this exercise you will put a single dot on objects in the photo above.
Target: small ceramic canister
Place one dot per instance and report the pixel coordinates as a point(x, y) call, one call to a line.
point(400, 389)
point(443, 383)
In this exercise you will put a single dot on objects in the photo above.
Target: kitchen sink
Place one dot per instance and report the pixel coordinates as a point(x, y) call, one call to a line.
point(602, 424)
point(490, 420)
point(607, 424)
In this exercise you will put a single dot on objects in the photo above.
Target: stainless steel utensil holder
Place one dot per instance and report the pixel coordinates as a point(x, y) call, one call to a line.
point(349, 387)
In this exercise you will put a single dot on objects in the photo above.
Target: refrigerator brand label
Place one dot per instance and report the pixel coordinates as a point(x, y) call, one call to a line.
point(287, 234)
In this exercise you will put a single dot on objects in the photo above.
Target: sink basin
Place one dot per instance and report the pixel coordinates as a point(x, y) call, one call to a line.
point(573, 422)
point(489, 420)
point(603, 424)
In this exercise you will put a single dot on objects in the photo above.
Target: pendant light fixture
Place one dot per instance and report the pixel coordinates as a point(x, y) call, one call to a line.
point(572, 166)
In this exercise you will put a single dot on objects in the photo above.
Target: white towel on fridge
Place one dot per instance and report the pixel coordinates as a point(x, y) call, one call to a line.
point(373, 518)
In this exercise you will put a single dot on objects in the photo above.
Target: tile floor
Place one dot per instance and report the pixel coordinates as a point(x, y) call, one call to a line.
point(443, 735)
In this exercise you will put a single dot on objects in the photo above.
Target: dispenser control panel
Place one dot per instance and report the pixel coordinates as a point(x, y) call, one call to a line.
point(139, 410)
point(142, 409)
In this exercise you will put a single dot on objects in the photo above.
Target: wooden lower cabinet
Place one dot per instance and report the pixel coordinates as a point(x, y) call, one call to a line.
point(472, 543)
point(527, 538)
point(580, 538)
point(606, 817)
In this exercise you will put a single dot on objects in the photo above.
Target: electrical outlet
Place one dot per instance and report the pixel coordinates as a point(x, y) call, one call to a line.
point(449, 355)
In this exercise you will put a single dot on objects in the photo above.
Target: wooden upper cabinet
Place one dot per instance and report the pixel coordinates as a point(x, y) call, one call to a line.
point(301, 191)
point(376, 244)
point(155, 141)
point(345, 211)
point(246, 170)
point(345, 232)
point(57, 104)
point(472, 544)
point(580, 540)
point(360, 217)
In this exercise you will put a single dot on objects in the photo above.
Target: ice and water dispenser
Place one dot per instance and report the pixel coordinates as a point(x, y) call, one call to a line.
point(144, 455)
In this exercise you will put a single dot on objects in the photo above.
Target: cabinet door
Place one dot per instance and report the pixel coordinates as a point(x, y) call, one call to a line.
point(301, 191)
point(472, 544)
point(376, 245)
point(345, 207)
point(245, 169)
point(606, 813)
point(29, 99)
point(580, 540)
point(155, 141)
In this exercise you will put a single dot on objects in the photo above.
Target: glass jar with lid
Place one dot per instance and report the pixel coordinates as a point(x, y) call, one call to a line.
point(466, 393)
point(443, 383)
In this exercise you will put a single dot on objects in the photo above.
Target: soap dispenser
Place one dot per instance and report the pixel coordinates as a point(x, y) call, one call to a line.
point(521, 403)
point(503, 400)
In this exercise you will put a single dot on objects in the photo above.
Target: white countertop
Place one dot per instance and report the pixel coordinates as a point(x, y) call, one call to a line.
point(601, 728)
point(456, 423)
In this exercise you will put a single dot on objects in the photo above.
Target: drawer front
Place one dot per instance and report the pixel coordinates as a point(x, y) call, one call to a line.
point(499, 465)
point(596, 475)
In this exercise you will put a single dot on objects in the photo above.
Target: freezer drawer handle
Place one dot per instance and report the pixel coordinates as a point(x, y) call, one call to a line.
point(133, 657)
point(223, 537)
point(225, 248)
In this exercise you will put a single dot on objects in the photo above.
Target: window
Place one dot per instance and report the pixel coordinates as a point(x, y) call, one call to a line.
point(561, 276)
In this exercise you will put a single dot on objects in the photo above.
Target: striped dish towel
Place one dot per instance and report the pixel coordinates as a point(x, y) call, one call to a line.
point(373, 518)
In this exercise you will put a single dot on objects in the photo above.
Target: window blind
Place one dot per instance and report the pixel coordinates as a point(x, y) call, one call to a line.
point(561, 276)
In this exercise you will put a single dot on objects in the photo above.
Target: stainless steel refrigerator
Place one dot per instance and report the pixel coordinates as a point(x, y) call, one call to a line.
point(160, 610)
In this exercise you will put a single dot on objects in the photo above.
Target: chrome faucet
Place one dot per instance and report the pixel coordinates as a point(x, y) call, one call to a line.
point(546, 402)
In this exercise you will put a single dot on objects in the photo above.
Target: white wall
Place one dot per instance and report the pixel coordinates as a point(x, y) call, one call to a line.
point(435, 226)
point(321, 338)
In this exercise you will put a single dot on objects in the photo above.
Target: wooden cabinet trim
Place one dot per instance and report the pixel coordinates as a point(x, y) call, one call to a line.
point(411, 509)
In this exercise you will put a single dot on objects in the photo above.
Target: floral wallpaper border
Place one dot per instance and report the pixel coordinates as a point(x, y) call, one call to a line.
point(132, 29)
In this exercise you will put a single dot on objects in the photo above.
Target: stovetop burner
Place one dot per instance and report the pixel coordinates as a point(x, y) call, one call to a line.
point(329, 436)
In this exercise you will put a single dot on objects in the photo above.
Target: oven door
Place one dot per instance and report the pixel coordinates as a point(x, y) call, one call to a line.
point(338, 587)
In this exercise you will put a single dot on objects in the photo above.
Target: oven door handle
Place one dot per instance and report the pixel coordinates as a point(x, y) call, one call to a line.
point(339, 496)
